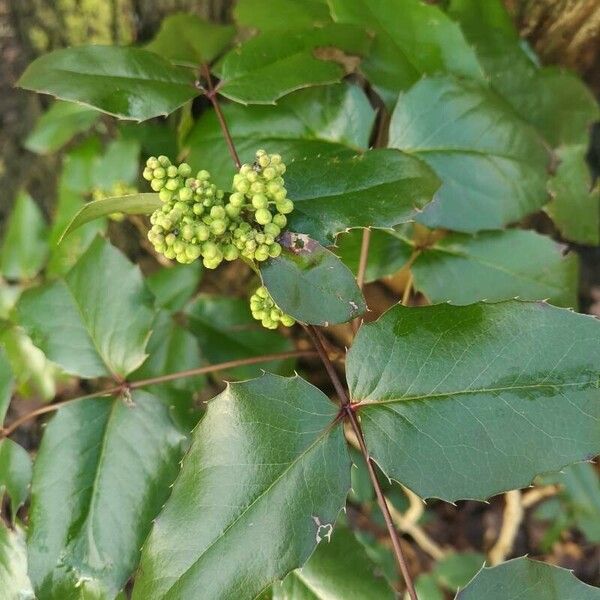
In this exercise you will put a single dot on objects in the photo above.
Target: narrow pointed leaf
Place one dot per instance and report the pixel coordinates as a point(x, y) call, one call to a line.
point(491, 164)
point(312, 284)
point(380, 188)
point(486, 396)
point(129, 83)
point(15, 474)
point(14, 581)
point(101, 475)
point(526, 579)
point(262, 483)
point(7, 384)
point(96, 321)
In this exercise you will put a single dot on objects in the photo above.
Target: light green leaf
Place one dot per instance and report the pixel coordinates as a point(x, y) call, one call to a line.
point(412, 39)
point(25, 244)
point(526, 579)
point(132, 204)
point(226, 331)
point(275, 63)
point(7, 384)
point(14, 581)
point(575, 204)
point(261, 485)
point(312, 284)
point(338, 570)
point(97, 320)
point(328, 120)
point(380, 188)
point(15, 474)
point(427, 588)
point(492, 165)
point(79, 166)
point(497, 265)
point(281, 14)
point(467, 402)
point(58, 125)
point(457, 569)
point(101, 475)
point(186, 39)
point(128, 83)
point(118, 165)
point(173, 287)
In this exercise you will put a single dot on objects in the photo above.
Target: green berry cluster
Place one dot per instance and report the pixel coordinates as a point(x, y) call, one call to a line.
point(198, 220)
point(265, 310)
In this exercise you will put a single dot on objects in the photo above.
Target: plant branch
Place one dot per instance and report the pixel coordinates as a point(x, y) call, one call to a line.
point(153, 381)
point(511, 521)
point(407, 289)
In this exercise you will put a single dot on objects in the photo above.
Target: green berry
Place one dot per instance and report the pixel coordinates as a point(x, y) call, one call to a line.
point(172, 171)
point(260, 201)
point(184, 170)
point(218, 226)
point(210, 250)
point(263, 216)
point(185, 194)
point(280, 220)
point(203, 175)
point(157, 184)
point(202, 232)
point(275, 250)
point(192, 251)
point(198, 208)
point(172, 184)
point(165, 195)
point(287, 321)
point(152, 163)
point(164, 160)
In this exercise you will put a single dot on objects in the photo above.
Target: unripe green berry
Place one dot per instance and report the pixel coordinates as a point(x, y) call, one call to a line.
point(280, 220)
point(164, 160)
point(198, 209)
point(269, 173)
point(210, 250)
point(148, 174)
point(187, 232)
point(217, 212)
point(275, 250)
point(285, 207)
point(165, 195)
point(263, 160)
point(203, 175)
point(260, 201)
point(218, 226)
point(242, 187)
point(172, 184)
point(159, 173)
point(172, 171)
point(169, 253)
point(184, 170)
point(170, 239)
point(232, 211)
point(179, 246)
point(272, 229)
point(261, 253)
point(263, 216)
point(258, 187)
point(192, 251)
point(185, 194)
point(152, 163)
point(202, 232)
point(287, 321)
point(157, 184)
point(230, 252)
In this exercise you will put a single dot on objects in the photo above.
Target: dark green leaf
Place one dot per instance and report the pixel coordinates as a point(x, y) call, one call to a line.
point(526, 579)
point(262, 484)
point(276, 63)
point(492, 165)
point(456, 570)
point(155, 137)
point(174, 286)
point(25, 244)
point(58, 125)
point(15, 474)
point(281, 14)
point(14, 581)
point(575, 205)
point(312, 284)
point(97, 320)
point(486, 396)
point(411, 39)
point(226, 331)
point(7, 384)
point(186, 39)
point(338, 570)
point(101, 475)
point(328, 120)
point(129, 83)
point(380, 188)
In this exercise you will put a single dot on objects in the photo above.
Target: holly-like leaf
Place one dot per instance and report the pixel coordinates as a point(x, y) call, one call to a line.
point(14, 581)
point(101, 475)
point(497, 265)
point(492, 165)
point(380, 188)
point(312, 284)
point(96, 321)
point(412, 39)
point(226, 331)
point(338, 570)
point(261, 485)
point(173, 287)
point(575, 204)
point(281, 14)
point(132, 204)
point(329, 120)
point(15, 474)
point(25, 244)
point(276, 63)
point(58, 125)
point(186, 39)
point(486, 396)
point(128, 83)
point(526, 579)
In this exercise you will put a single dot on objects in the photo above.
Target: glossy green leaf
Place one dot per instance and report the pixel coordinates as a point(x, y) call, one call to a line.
point(186, 39)
point(526, 579)
point(226, 331)
point(328, 120)
point(101, 475)
point(380, 188)
point(24, 244)
point(97, 320)
point(497, 265)
point(129, 83)
point(132, 204)
point(492, 165)
point(58, 125)
point(412, 39)
point(312, 284)
point(338, 570)
point(486, 396)
point(281, 14)
point(15, 474)
point(14, 581)
point(173, 287)
point(261, 485)
point(575, 204)
point(7, 384)
point(275, 63)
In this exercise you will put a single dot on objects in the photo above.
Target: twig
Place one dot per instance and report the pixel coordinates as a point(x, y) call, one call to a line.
point(511, 521)
point(407, 289)
point(362, 268)
point(538, 494)
point(152, 381)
